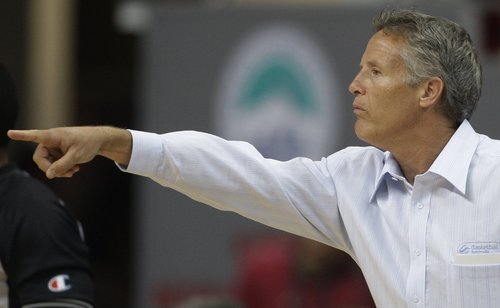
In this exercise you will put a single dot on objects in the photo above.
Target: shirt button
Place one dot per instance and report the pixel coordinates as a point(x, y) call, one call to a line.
point(420, 206)
point(416, 299)
point(417, 252)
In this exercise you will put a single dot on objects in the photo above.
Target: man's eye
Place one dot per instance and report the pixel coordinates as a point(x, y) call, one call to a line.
point(375, 72)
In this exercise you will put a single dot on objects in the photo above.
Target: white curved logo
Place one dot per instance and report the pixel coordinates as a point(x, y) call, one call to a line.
point(59, 283)
point(278, 92)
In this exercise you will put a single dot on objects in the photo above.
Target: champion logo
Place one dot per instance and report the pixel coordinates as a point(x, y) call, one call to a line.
point(59, 283)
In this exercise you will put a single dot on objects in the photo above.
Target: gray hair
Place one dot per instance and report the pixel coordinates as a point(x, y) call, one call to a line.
point(437, 47)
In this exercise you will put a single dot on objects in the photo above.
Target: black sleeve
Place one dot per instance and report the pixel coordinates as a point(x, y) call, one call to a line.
point(43, 252)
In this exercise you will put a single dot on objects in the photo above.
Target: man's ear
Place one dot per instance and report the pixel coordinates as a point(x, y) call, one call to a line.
point(432, 89)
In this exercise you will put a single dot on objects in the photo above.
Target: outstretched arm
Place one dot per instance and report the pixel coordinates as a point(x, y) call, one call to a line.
point(61, 150)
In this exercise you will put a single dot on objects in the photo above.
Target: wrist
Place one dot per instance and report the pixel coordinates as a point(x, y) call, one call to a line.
point(116, 144)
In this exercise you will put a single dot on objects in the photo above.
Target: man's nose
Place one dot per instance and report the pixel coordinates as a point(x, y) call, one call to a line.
point(355, 87)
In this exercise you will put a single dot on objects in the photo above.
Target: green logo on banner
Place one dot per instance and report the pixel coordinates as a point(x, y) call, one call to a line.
point(278, 78)
point(277, 92)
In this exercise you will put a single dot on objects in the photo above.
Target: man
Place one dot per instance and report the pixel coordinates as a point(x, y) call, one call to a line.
point(43, 258)
point(420, 218)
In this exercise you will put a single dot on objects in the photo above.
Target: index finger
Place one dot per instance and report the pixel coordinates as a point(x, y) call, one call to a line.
point(25, 135)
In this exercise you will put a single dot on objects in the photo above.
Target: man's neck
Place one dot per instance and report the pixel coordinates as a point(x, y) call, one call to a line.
point(422, 149)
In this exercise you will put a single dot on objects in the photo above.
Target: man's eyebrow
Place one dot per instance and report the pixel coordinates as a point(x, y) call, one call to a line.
point(369, 64)
point(372, 63)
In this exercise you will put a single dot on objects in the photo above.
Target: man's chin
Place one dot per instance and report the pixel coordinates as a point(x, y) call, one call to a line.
point(360, 131)
point(365, 134)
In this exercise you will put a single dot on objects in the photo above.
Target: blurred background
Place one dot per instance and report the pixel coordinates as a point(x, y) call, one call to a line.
point(271, 72)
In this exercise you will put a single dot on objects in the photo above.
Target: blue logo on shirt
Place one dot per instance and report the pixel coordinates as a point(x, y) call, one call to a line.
point(480, 247)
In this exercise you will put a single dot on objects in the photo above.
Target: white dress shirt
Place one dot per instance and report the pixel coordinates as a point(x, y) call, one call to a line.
point(435, 243)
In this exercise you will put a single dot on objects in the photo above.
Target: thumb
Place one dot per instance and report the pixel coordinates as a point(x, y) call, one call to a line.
point(65, 166)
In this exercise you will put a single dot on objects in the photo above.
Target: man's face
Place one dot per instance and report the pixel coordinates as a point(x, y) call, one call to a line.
point(386, 108)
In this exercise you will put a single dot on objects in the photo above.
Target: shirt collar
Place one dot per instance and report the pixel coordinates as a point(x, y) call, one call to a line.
point(452, 163)
point(390, 169)
point(454, 160)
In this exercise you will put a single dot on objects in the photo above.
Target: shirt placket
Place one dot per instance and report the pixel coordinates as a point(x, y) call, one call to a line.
point(417, 233)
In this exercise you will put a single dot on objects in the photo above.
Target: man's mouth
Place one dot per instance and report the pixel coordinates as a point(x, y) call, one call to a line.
point(357, 108)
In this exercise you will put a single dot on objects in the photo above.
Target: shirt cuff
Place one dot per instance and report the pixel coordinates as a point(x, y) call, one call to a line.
point(147, 153)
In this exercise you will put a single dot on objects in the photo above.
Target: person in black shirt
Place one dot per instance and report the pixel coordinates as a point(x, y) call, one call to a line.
point(44, 261)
